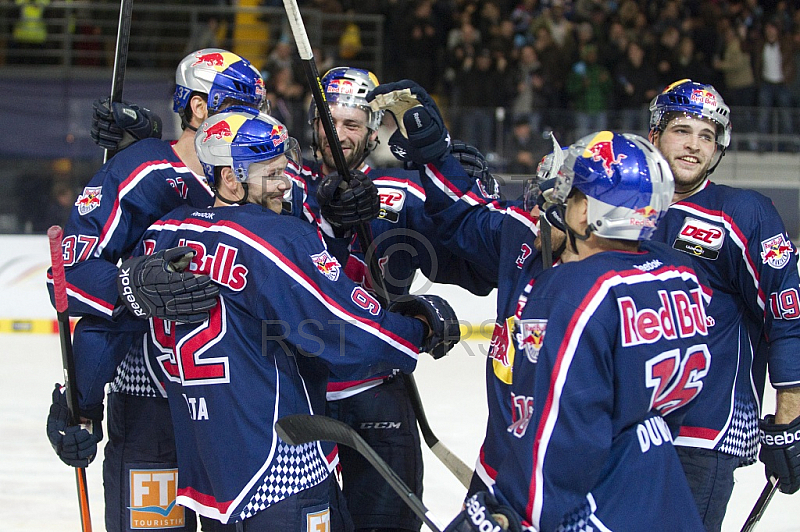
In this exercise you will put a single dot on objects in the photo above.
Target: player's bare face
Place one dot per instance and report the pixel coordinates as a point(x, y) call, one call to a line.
point(267, 181)
point(688, 144)
point(351, 127)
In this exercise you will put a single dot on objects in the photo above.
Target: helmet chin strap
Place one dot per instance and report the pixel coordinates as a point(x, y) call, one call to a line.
point(572, 235)
point(233, 202)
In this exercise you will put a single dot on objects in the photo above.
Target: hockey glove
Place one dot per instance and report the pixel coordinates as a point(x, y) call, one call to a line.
point(780, 452)
point(421, 136)
point(438, 315)
point(345, 204)
point(116, 126)
point(474, 163)
point(76, 445)
point(483, 512)
point(156, 286)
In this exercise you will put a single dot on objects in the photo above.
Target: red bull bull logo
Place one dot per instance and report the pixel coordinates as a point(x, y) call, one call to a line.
point(89, 200)
point(218, 131)
point(501, 350)
point(327, 265)
point(776, 251)
point(341, 86)
point(279, 135)
point(531, 333)
point(646, 217)
point(260, 89)
point(703, 97)
point(211, 59)
point(601, 150)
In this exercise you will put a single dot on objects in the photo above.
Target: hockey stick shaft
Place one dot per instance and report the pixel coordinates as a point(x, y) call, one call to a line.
point(363, 230)
point(761, 505)
point(120, 57)
point(302, 428)
point(54, 235)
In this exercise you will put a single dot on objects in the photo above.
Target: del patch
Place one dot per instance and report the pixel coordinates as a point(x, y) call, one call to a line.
point(776, 251)
point(531, 336)
point(700, 239)
point(89, 200)
point(392, 201)
point(327, 265)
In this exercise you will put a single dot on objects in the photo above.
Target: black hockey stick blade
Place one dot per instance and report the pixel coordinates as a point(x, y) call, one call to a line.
point(761, 505)
point(303, 428)
point(120, 57)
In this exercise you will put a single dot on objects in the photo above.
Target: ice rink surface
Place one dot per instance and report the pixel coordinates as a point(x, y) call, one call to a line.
point(38, 493)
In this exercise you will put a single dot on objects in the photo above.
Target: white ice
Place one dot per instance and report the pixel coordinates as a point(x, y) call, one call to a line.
point(38, 492)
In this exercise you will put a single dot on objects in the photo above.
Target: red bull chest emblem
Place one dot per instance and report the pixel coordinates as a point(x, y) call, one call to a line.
point(327, 265)
point(776, 251)
point(603, 152)
point(218, 131)
point(89, 200)
point(531, 336)
point(210, 59)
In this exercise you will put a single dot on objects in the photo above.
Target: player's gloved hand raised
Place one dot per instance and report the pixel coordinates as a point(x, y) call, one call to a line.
point(346, 204)
point(421, 136)
point(474, 163)
point(438, 315)
point(118, 125)
point(76, 445)
point(483, 512)
point(780, 452)
point(156, 286)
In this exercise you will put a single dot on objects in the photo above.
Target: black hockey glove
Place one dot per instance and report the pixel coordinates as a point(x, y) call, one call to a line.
point(156, 286)
point(482, 512)
point(421, 135)
point(347, 204)
point(116, 126)
point(443, 328)
point(780, 452)
point(76, 445)
point(474, 163)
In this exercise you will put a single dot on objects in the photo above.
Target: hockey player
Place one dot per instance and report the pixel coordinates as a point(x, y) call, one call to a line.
point(287, 315)
point(605, 369)
point(405, 242)
point(132, 190)
point(737, 238)
point(503, 240)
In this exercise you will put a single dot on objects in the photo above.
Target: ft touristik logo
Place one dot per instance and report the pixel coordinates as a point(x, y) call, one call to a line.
point(152, 502)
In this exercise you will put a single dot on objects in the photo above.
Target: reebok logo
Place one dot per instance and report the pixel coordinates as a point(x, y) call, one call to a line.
point(127, 291)
point(478, 515)
point(648, 266)
point(785, 438)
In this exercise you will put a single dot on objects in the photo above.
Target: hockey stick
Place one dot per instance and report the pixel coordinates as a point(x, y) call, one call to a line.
point(120, 57)
point(452, 462)
point(54, 235)
point(303, 428)
point(761, 505)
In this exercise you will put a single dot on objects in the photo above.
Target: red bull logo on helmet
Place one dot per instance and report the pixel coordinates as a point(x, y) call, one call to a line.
point(645, 217)
point(89, 200)
point(601, 149)
point(260, 89)
point(279, 135)
point(341, 86)
point(703, 97)
point(211, 59)
point(776, 251)
point(219, 130)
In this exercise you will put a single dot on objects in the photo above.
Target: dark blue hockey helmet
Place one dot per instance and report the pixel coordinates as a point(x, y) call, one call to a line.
point(626, 180)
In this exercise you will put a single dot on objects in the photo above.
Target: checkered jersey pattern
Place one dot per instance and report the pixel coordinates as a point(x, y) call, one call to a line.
point(577, 520)
point(294, 468)
point(742, 437)
point(132, 377)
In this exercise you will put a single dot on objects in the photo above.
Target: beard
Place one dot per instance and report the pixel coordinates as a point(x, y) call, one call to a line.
point(352, 158)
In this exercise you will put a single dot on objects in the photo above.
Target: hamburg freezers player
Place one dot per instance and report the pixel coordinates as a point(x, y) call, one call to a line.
point(606, 368)
point(290, 315)
point(391, 202)
point(131, 191)
point(737, 238)
point(503, 240)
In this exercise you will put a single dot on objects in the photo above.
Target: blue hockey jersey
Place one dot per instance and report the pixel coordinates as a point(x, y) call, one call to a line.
point(599, 368)
point(287, 316)
point(406, 241)
point(737, 239)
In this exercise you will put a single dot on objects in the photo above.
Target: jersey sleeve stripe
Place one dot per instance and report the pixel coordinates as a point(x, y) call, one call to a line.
point(86, 298)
